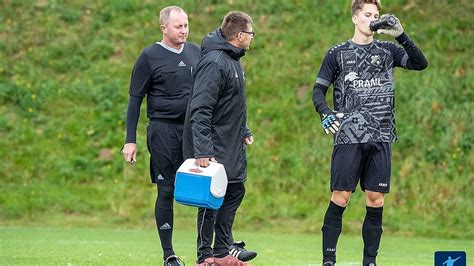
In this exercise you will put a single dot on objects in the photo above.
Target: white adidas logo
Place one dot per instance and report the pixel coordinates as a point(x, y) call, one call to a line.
point(166, 226)
point(181, 64)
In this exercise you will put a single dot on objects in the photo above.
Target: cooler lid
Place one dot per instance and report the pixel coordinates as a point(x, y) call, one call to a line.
point(215, 171)
point(218, 180)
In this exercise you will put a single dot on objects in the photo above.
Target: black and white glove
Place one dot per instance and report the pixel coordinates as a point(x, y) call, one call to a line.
point(394, 31)
point(330, 122)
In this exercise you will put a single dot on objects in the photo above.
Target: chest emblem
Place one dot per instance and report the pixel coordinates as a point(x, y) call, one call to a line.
point(375, 60)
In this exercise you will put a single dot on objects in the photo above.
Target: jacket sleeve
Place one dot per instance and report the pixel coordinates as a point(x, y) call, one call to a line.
point(248, 132)
point(207, 85)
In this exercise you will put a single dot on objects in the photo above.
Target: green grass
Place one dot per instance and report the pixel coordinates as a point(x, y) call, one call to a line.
point(64, 75)
point(47, 245)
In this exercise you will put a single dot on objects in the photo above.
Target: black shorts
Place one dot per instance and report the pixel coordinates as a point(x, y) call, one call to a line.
point(164, 141)
point(369, 162)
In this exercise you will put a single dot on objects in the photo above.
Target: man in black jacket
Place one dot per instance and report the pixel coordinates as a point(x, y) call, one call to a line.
point(216, 130)
point(363, 123)
point(163, 73)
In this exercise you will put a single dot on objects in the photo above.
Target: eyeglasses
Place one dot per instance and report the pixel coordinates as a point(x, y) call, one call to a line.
point(251, 33)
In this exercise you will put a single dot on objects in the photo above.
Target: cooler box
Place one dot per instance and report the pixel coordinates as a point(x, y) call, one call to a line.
point(200, 187)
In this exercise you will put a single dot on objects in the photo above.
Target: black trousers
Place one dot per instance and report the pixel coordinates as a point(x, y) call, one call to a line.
point(219, 222)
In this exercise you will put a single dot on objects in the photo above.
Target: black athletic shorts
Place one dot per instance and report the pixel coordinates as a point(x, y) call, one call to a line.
point(164, 141)
point(369, 162)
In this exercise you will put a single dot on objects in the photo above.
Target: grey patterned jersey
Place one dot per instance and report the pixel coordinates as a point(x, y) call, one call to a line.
point(362, 77)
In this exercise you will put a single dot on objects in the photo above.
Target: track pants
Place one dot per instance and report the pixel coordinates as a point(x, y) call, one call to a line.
point(219, 222)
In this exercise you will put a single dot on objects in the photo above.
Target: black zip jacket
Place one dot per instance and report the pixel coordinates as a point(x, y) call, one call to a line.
point(216, 117)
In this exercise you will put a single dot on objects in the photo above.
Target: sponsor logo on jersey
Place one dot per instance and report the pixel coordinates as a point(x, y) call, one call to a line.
point(366, 83)
point(181, 64)
point(362, 83)
point(349, 59)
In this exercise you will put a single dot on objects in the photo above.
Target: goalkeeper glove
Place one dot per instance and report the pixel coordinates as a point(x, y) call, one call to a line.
point(394, 31)
point(330, 122)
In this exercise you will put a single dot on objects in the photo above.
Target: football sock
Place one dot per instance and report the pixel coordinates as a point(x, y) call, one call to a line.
point(371, 233)
point(331, 230)
point(164, 218)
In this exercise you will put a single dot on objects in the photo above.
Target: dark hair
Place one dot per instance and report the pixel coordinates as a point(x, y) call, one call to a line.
point(358, 4)
point(233, 23)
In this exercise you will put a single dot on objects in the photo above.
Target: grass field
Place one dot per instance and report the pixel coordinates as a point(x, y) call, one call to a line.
point(64, 246)
point(64, 75)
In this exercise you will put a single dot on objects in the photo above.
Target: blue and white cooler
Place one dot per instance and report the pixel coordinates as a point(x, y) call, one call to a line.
point(200, 186)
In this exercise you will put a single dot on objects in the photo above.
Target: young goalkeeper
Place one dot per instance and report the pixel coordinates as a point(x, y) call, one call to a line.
point(363, 122)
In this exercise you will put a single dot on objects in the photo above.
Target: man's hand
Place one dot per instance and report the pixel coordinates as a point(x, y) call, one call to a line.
point(394, 31)
point(129, 152)
point(330, 122)
point(248, 140)
point(204, 162)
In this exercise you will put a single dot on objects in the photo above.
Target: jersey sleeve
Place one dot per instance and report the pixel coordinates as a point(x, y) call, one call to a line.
point(141, 77)
point(328, 69)
point(400, 56)
point(319, 99)
point(133, 113)
point(197, 50)
point(409, 56)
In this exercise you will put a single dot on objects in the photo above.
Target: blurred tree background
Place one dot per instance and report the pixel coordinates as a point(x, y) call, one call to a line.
point(64, 74)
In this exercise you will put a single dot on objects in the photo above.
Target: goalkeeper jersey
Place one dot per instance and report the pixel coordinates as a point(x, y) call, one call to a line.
point(363, 81)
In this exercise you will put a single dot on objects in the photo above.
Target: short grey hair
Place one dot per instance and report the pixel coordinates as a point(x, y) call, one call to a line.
point(165, 13)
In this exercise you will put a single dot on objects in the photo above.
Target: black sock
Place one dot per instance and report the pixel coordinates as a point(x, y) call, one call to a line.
point(371, 233)
point(164, 219)
point(332, 228)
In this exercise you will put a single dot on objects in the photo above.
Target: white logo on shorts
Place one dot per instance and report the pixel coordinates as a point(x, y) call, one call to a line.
point(383, 185)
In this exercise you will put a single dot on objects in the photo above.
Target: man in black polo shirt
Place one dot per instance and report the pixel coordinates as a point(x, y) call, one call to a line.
point(363, 123)
point(163, 73)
